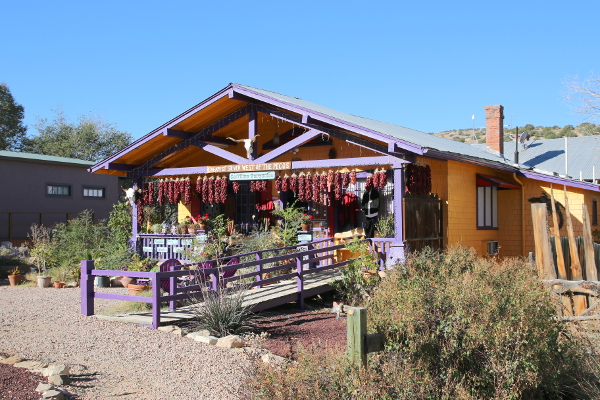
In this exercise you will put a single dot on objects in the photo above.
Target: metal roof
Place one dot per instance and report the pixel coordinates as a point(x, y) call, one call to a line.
point(29, 157)
point(419, 138)
point(549, 155)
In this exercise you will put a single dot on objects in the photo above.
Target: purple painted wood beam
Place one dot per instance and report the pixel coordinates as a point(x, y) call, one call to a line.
point(559, 181)
point(159, 131)
point(349, 162)
point(252, 131)
point(220, 152)
point(87, 287)
point(327, 119)
point(137, 183)
point(119, 167)
point(206, 132)
point(176, 171)
point(296, 142)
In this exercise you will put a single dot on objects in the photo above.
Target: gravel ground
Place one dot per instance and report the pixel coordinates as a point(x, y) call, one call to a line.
point(112, 359)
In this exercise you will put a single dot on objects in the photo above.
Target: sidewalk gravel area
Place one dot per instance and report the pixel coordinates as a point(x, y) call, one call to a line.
point(112, 359)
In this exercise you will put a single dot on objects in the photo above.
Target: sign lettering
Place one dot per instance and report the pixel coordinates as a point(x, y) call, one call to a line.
point(277, 166)
point(251, 176)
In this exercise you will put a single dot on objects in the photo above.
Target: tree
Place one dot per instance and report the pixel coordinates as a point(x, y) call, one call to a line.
point(91, 138)
point(585, 95)
point(12, 130)
point(589, 129)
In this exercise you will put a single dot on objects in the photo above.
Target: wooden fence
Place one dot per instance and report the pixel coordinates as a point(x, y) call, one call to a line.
point(297, 265)
point(568, 265)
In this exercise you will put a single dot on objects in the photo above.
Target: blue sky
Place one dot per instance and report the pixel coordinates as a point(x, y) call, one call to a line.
point(426, 65)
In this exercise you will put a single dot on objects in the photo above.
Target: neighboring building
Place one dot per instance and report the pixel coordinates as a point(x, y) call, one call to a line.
point(48, 190)
point(477, 196)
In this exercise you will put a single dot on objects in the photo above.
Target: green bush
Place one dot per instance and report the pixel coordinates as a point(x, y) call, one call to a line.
point(456, 327)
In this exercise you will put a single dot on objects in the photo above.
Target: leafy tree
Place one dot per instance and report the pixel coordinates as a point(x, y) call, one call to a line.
point(12, 130)
point(91, 138)
point(589, 129)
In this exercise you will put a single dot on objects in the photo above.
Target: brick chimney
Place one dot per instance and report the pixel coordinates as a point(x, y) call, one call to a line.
point(494, 128)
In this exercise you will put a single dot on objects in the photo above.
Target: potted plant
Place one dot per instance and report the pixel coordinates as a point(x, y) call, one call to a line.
point(203, 221)
point(157, 229)
point(142, 265)
point(60, 275)
point(305, 221)
point(14, 277)
point(39, 254)
point(193, 228)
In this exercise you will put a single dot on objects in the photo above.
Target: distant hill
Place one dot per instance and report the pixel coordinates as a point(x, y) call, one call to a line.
point(535, 132)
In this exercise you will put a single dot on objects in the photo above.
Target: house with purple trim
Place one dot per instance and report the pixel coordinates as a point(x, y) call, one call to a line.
point(243, 151)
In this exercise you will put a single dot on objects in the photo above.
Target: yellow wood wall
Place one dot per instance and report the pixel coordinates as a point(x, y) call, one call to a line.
point(455, 184)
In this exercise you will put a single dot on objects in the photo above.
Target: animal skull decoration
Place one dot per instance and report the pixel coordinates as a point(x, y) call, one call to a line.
point(247, 144)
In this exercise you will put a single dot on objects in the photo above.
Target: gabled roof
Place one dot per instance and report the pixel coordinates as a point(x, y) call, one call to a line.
point(234, 97)
point(549, 155)
point(39, 158)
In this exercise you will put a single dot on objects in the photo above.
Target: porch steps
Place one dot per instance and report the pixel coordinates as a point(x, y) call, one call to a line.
point(259, 298)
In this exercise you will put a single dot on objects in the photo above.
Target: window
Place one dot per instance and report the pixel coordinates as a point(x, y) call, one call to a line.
point(487, 207)
point(94, 192)
point(58, 190)
point(594, 212)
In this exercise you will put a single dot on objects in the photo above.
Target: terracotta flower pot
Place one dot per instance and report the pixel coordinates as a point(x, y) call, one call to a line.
point(305, 227)
point(58, 284)
point(126, 280)
point(14, 280)
point(134, 290)
point(203, 227)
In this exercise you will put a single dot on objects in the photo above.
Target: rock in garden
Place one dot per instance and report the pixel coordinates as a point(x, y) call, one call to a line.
point(167, 328)
point(43, 387)
point(59, 380)
point(53, 394)
point(31, 365)
point(273, 359)
point(206, 339)
point(230, 342)
point(12, 360)
point(56, 369)
point(203, 332)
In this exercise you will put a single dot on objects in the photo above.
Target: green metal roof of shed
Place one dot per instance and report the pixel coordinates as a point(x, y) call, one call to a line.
point(40, 158)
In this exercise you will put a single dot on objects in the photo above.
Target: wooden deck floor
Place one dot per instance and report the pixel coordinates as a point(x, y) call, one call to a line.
point(258, 298)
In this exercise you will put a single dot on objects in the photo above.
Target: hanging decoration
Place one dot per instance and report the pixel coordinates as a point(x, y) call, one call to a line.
point(278, 183)
point(211, 189)
point(236, 187)
point(285, 183)
point(161, 192)
point(187, 191)
point(376, 179)
point(330, 177)
point(293, 186)
point(205, 190)
point(308, 189)
point(418, 179)
point(345, 179)
point(382, 179)
point(353, 177)
point(369, 183)
point(316, 181)
point(301, 181)
point(337, 185)
point(323, 182)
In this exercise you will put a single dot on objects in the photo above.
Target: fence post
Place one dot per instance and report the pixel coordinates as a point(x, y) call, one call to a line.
point(87, 287)
point(215, 282)
point(155, 301)
point(172, 289)
point(259, 268)
point(300, 282)
point(357, 331)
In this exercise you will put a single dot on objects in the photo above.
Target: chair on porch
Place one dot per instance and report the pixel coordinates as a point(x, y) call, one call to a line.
point(165, 267)
point(229, 273)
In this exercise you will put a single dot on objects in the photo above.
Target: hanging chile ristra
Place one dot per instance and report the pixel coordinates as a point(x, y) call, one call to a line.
point(252, 186)
point(308, 187)
point(161, 193)
point(315, 187)
point(294, 183)
point(285, 183)
point(382, 179)
point(345, 179)
point(301, 181)
point(337, 184)
point(211, 189)
point(369, 183)
point(376, 179)
point(330, 177)
point(236, 186)
point(140, 212)
point(204, 189)
point(323, 181)
point(187, 191)
point(353, 177)
point(278, 183)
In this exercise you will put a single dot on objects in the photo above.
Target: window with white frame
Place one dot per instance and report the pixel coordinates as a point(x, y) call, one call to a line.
point(487, 207)
point(58, 190)
point(94, 192)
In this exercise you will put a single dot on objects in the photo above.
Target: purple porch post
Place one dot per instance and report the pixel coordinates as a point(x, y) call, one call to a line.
point(396, 253)
point(172, 290)
point(87, 287)
point(299, 272)
point(155, 302)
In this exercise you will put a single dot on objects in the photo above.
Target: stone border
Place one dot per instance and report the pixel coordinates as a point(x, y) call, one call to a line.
point(58, 375)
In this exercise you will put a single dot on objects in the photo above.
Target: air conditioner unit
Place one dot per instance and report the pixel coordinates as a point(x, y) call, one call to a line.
point(492, 247)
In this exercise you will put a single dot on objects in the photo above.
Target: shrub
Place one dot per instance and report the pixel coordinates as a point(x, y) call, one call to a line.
point(356, 286)
point(456, 327)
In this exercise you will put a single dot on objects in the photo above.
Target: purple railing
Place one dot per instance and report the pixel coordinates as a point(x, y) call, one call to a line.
point(319, 257)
